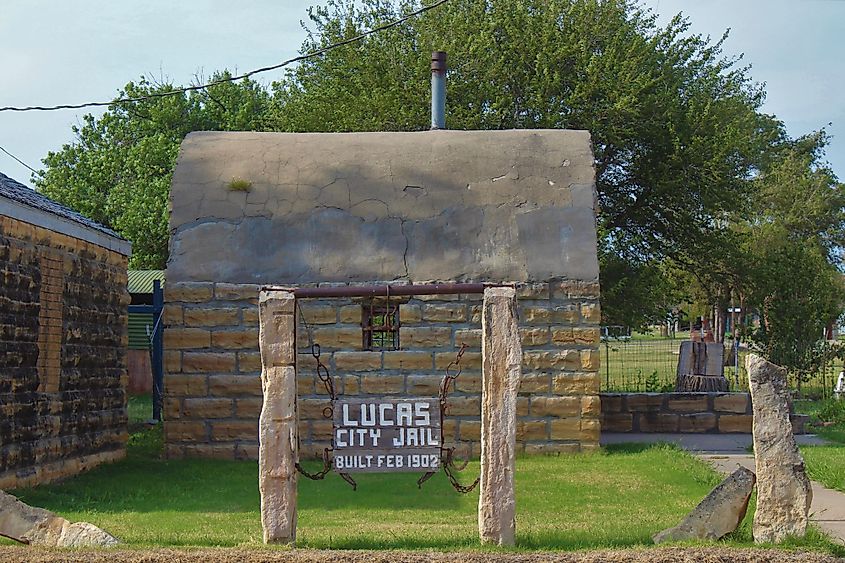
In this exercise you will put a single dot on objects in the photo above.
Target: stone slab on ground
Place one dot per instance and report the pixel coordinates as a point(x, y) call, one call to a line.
point(827, 510)
point(36, 526)
point(709, 554)
point(727, 451)
point(719, 514)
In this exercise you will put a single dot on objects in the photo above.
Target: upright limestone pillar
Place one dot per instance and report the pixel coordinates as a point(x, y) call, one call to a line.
point(501, 353)
point(277, 426)
point(784, 493)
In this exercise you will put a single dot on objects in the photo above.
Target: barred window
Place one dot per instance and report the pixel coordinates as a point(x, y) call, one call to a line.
point(381, 326)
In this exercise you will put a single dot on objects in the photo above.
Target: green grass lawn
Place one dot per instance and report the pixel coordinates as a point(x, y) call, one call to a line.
point(834, 429)
point(615, 498)
point(826, 464)
point(139, 408)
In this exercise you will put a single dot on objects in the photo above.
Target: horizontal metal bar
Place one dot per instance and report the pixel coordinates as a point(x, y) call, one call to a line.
point(390, 290)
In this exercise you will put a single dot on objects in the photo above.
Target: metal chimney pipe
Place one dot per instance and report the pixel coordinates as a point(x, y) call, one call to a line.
point(438, 90)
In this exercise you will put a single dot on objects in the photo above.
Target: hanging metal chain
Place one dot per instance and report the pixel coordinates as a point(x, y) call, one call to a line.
point(327, 466)
point(449, 465)
point(447, 455)
point(449, 378)
point(325, 377)
point(321, 370)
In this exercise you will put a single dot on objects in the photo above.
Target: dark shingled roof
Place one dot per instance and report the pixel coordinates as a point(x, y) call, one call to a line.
point(14, 190)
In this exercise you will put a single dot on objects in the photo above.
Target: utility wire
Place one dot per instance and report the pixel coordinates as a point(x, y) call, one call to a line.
point(282, 64)
point(21, 162)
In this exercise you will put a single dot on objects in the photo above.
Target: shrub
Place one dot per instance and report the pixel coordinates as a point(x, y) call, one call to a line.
point(832, 410)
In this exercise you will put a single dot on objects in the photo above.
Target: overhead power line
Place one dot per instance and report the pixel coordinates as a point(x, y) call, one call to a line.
point(21, 162)
point(282, 64)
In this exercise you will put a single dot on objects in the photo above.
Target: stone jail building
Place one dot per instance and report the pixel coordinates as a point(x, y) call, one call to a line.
point(303, 210)
point(63, 309)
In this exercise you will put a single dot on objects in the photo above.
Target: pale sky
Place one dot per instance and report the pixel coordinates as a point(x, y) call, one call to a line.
point(57, 52)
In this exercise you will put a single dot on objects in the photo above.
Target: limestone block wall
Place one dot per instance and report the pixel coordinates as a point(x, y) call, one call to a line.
point(62, 354)
point(381, 208)
point(213, 387)
point(713, 413)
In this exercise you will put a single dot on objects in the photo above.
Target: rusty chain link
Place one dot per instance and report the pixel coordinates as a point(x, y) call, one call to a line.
point(447, 455)
point(448, 465)
point(327, 466)
point(323, 376)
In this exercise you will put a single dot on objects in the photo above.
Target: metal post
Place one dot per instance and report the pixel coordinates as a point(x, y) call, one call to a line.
point(387, 290)
point(158, 349)
point(438, 90)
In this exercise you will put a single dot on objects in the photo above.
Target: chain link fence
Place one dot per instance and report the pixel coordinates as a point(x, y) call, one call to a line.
point(633, 362)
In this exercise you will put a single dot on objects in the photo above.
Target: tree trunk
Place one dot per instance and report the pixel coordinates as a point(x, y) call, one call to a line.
point(722, 315)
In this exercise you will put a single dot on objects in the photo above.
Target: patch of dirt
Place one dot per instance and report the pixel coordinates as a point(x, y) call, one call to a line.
point(233, 555)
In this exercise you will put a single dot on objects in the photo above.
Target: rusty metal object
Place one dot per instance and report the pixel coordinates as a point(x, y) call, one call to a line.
point(438, 90)
point(324, 376)
point(438, 61)
point(327, 466)
point(389, 290)
point(448, 454)
point(348, 478)
point(449, 465)
point(453, 371)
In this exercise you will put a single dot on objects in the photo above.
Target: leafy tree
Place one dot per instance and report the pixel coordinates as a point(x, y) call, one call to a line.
point(627, 283)
point(798, 293)
point(691, 177)
point(792, 253)
point(675, 126)
point(118, 170)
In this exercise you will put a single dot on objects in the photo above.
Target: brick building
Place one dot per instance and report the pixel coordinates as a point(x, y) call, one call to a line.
point(305, 210)
point(62, 340)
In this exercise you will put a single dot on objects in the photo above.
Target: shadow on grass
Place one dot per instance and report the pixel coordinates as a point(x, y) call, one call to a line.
point(144, 482)
point(470, 541)
point(615, 498)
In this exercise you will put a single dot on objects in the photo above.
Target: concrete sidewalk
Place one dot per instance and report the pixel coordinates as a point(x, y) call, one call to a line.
point(726, 452)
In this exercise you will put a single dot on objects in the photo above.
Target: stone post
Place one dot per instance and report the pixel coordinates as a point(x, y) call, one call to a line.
point(783, 489)
point(277, 426)
point(501, 353)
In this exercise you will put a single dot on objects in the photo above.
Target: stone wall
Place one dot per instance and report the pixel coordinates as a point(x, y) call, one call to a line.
point(713, 413)
point(213, 386)
point(62, 354)
point(499, 207)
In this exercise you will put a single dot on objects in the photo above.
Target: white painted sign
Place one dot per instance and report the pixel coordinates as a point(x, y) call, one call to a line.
point(386, 435)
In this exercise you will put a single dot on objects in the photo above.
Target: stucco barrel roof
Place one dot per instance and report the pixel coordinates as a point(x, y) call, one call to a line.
point(296, 208)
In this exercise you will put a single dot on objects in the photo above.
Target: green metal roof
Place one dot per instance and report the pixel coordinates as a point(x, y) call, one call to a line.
point(140, 329)
point(141, 281)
